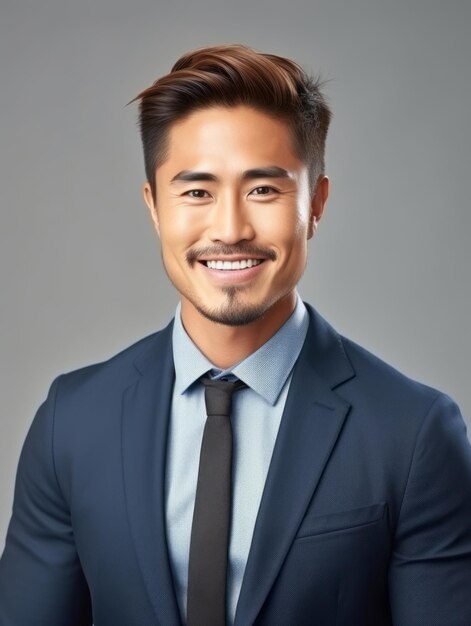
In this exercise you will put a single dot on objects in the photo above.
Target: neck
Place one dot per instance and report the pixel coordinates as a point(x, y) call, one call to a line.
point(226, 345)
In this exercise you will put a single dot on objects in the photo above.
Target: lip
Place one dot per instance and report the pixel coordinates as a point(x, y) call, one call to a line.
point(236, 257)
point(231, 277)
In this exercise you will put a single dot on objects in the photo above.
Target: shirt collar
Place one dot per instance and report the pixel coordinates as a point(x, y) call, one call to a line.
point(265, 370)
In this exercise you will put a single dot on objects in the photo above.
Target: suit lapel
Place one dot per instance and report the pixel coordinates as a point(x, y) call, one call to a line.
point(146, 409)
point(312, 420)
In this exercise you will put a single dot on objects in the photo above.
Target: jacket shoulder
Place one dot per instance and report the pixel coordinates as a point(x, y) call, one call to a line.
point(383, 385)
point(115, 371)
point(368, 363)
point(351, 368)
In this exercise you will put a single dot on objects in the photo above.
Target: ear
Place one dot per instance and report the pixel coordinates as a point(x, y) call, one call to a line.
point(318, 203)
point(149, 200)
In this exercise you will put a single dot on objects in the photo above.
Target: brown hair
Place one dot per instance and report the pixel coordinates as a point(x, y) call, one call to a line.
point(230, 75)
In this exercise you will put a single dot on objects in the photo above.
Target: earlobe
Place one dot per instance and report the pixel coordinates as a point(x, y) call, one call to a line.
point(312, 226)
point(318, 204)
point(149, 200)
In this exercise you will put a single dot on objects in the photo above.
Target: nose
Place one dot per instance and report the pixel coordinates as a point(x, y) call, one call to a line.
point(230, 221)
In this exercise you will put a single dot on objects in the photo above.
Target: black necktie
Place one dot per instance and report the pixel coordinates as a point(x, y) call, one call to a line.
point(207, 569)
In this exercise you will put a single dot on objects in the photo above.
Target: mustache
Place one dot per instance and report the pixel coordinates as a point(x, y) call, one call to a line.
point(247, 249)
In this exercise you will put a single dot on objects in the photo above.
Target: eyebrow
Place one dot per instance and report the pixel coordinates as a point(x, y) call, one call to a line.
point(272, 171)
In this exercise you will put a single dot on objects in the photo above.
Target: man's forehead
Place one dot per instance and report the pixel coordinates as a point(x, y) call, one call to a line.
point(241, 141)
point(243, 120)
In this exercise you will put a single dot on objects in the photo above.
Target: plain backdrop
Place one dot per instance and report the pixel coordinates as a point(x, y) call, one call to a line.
point(80, 268)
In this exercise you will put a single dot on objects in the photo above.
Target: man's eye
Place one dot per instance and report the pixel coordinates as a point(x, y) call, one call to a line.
point(263, 191)
point(197, 193)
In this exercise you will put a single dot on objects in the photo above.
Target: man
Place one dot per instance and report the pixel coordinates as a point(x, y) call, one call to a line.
point(247, 464)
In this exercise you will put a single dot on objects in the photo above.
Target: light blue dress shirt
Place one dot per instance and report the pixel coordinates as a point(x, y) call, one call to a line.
point(256, 416)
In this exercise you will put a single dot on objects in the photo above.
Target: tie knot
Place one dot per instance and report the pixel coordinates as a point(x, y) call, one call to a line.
point(218, 395)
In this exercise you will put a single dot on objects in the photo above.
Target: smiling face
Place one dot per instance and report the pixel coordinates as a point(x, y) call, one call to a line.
point(233, 212)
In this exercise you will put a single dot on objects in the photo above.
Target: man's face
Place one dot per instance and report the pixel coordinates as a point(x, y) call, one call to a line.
point(233, 212)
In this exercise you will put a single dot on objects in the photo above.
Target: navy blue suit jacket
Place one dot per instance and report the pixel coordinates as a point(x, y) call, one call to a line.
point(365, 518)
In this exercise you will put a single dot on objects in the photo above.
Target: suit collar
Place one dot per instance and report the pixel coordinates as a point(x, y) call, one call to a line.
point(312, 421)
point(145, 417)
point(160, 348)
point(324, 352)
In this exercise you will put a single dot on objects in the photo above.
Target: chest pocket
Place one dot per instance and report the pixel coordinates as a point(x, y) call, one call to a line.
point(341, 521)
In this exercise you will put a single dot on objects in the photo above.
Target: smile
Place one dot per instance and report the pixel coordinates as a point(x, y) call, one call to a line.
point(233, 265)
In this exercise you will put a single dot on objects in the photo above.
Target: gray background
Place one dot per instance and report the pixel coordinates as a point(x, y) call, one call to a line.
point(80, 268)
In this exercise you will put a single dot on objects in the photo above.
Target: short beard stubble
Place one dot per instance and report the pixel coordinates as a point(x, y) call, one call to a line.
point(233, 313)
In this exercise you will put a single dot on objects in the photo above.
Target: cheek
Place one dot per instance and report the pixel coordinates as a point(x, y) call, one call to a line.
point(286, 230)
point(179, 231)
point(291, 238)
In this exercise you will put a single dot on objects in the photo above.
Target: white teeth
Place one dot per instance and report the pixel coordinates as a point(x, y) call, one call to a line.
point(233, 265)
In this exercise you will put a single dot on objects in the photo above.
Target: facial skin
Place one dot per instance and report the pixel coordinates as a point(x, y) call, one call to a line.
point(233, 190)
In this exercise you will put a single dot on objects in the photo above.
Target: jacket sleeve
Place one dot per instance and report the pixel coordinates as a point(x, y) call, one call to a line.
point(430, 572)
point(41, 581)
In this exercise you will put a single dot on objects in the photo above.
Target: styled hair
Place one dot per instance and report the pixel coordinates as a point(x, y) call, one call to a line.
point(231, 75)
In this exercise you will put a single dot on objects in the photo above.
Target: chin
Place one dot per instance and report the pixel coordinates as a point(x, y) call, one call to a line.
point(233, 314)
point(233, 311)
